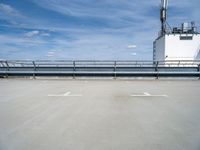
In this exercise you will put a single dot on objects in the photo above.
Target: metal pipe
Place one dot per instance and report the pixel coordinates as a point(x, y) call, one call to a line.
point(74, 69)
point(163, 16)
point(164, 3)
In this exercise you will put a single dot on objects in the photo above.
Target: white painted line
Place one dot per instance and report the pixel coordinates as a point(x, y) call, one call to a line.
point(75, 95)
point(146, 94)
point(67, 94)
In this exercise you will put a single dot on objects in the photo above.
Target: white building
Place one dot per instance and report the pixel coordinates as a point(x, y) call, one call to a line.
point(177, 47)
point(178, 43)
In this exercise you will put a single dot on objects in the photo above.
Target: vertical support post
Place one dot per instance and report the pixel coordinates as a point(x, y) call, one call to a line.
point(74, 69)
point(2, 64)
point(199, 70)
point(34, 69)
point(8, 68)
point(156, 70)
point(115, 69)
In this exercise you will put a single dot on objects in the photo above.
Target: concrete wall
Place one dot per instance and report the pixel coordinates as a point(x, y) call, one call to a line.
point(176, 49)
point(159, 49)
point(171, 47)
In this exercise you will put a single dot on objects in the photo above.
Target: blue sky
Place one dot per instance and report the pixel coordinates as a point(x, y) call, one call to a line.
point(86, 29)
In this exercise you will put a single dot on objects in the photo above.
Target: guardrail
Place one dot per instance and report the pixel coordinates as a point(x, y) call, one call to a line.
point(100, 68)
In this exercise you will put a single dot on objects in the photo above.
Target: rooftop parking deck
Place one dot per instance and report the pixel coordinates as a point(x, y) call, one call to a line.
point(88, 114)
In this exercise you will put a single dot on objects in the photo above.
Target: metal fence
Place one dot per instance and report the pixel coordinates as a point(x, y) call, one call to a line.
point(99, 68)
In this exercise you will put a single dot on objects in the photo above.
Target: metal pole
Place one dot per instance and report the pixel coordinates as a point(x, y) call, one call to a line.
point(199, 70)
point(34, 69)
point(115, 69)
point(8, 69)
point(156, 70)
point(74, 69)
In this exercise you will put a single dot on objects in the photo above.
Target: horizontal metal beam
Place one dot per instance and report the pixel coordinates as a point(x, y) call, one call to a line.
point(99, 68)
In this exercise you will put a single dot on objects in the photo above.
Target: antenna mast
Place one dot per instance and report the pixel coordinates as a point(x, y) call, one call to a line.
point(163, 16)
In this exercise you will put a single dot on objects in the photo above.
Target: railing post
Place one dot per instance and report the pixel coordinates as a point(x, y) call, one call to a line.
point(74, 69)
point(8, 68)
point(34, 69)
point(2, 64)
point(199, 70)
point(115, 69)
point(156, 69)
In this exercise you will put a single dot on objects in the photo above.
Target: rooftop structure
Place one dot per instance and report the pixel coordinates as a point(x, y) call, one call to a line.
point(177, 43)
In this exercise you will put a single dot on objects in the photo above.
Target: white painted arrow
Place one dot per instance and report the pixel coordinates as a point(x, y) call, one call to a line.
point(146, 94)
point(67, 94)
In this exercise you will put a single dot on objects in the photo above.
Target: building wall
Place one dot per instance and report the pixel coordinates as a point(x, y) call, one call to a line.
point(177, 49)
point(159, 49)
point(174, 47)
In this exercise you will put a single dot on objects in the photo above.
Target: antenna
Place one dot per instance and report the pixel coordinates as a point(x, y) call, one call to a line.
point(165, 3)
point(163, 16)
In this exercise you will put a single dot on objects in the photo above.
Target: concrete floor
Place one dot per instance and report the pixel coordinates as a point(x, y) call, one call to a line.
point(99, 115)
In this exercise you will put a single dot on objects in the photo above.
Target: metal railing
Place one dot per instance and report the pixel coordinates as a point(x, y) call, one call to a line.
point(99, 68)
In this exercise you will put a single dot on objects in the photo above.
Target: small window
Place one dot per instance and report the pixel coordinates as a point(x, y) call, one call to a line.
point(186, 37)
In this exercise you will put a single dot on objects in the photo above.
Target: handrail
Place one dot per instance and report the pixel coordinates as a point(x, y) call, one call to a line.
point(114, 68)
point(119, 63)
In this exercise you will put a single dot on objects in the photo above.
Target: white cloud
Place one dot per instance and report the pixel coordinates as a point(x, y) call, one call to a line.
point(131, 46)
point(116, 9)
point(133, 54)
point(50, 54)
point(20, 41)
point(8, 10)
point(45, 34)
point(36, 33)
point(32, 33)
point(125, 21)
